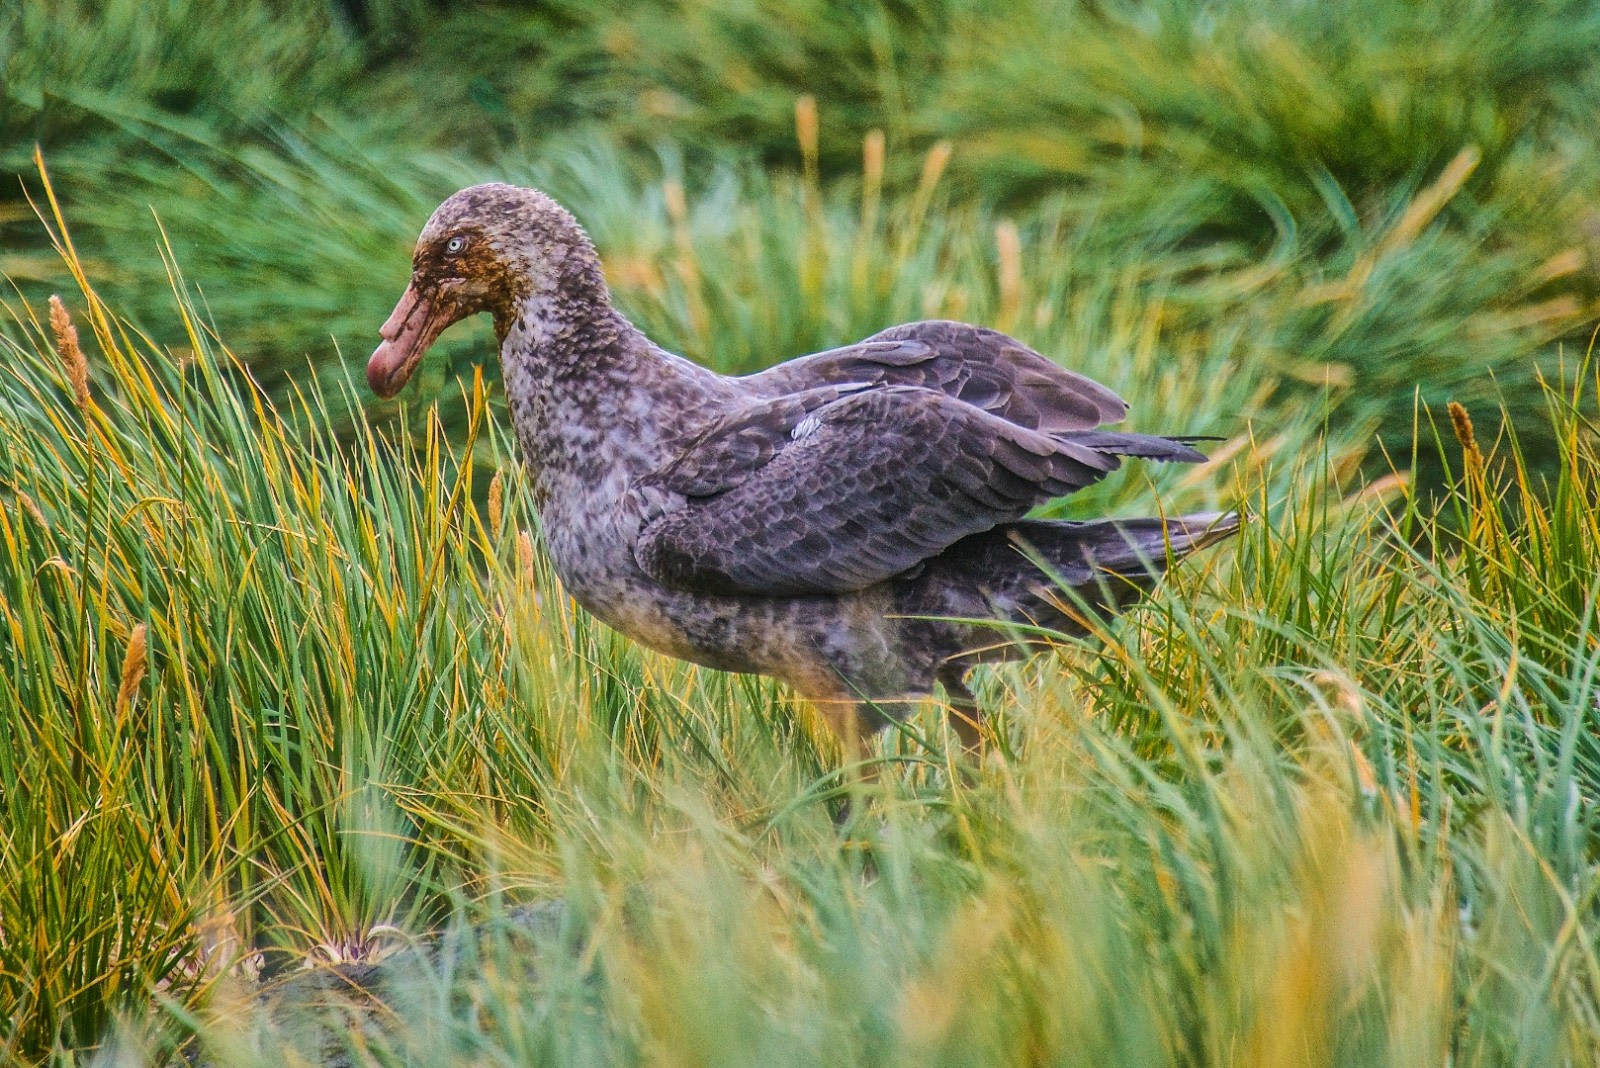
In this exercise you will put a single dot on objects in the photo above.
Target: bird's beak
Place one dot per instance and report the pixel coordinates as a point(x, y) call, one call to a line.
point(417, 322)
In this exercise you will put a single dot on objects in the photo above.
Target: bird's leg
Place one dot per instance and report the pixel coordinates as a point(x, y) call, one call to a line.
point(852, 720)
point(966, 718)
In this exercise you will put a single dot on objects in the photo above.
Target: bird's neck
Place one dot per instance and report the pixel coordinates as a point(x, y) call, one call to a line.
point(594, 402)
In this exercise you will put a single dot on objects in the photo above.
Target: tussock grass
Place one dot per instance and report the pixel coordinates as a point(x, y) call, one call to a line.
point(280, 694)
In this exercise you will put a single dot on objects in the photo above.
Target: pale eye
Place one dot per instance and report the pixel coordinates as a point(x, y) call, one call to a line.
point(455, 244)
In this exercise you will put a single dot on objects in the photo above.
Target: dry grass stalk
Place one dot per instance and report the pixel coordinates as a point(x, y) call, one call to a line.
point(808, 126)
point(872, 167)
point(1422, 210)
point(1008, 246)
point(1428, 203)
point(807, 130)
point(933, 168)
point(684, 261)
point(71, 353)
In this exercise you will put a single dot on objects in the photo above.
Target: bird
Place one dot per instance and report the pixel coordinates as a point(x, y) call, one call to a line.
point(853, 522)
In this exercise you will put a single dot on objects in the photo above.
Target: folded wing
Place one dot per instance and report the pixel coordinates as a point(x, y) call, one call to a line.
point(838, 488)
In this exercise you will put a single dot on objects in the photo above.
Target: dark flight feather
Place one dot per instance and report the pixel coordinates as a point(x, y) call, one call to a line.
point(833, 490)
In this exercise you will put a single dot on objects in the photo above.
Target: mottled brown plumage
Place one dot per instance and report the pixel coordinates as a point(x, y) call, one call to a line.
point(836, 521)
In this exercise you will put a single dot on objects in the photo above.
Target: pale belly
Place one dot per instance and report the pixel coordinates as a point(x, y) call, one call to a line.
point(825, 646)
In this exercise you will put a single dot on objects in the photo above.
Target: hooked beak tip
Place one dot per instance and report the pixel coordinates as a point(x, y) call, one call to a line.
point(380, 372)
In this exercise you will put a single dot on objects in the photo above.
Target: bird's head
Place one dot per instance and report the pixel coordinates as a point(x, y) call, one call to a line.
point(486, 249)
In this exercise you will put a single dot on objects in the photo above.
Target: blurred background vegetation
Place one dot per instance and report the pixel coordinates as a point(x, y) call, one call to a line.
point(1360, 200)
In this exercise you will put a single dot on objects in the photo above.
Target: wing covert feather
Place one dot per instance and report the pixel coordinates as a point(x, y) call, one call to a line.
point(982, 367)
point(846, 493)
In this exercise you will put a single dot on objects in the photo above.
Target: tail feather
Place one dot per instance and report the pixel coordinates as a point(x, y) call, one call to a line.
point(1014, 573)
point(1143, 446)
point(1132, 547)
point(1135, 549)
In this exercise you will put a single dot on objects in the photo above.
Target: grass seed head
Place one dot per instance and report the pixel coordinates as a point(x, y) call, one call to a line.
point(872, 163)
point(497, 495)
point(525, 555)
point(1461, 423)
point(31, 506)
point(807, 128)
point(133, 667)
point(72, 358)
